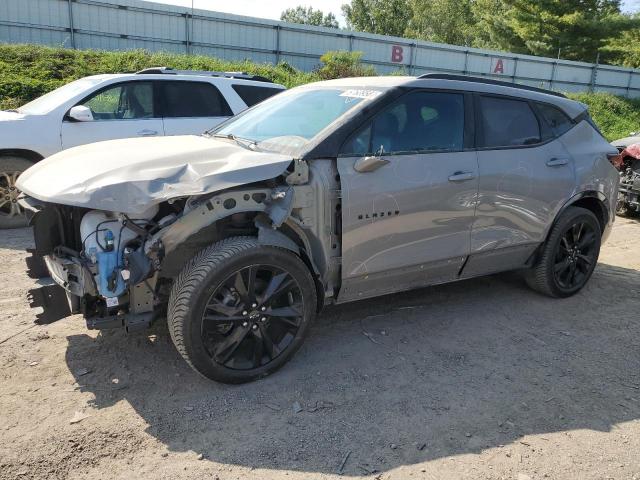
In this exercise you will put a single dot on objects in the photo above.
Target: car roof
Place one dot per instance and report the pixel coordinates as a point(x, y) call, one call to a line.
point(458, 82)
point(190, 77)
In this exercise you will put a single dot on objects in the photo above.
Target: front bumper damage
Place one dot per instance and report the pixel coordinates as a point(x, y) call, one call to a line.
point(67, 286)
point(66, 282)
point(628, 164)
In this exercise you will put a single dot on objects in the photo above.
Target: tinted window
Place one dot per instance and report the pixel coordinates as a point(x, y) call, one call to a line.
point(194, 99)
point(124, 101)
point(250, 94)
point(508, 123)
point(556, 119)
point(420, 121)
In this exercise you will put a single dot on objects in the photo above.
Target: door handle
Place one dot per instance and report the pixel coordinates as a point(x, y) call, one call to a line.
point(147, 133)
point(462, 176)
point(557, 162)
point(369, 164)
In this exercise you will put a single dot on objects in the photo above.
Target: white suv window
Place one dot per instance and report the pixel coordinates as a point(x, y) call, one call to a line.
point(131, 100)
point(193, 100)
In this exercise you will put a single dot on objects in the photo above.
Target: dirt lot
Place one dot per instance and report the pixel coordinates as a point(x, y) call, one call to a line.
point(479, 379)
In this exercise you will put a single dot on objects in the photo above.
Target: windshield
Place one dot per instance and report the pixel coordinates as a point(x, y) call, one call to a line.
point(55, 98)
point(287, 122)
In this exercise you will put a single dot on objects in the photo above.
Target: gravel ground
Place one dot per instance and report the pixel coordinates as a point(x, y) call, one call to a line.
point(479, 379)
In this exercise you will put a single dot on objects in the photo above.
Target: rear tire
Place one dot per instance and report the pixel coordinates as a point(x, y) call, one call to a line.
point(11, 215)
point(569, 256)
point(239, 310)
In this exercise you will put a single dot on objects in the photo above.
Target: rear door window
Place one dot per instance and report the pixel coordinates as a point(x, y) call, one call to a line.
point(252, 94)
point(507, 122)
point(193, 99)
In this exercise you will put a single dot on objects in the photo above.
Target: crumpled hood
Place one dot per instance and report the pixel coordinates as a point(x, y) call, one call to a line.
point(131, 175)
point(625, 142)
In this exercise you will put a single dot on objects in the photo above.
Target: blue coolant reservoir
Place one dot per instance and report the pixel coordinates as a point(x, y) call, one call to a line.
point(104, 238)
point(110, 282)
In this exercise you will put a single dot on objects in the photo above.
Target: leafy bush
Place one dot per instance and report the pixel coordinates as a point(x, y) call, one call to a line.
point(340, 64)
point(28, 71)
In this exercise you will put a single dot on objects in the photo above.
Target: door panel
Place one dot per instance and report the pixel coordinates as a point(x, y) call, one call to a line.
point(521, 187)
point(80, 133)
point(520, 192)
point(405, 224)
point(407, 214)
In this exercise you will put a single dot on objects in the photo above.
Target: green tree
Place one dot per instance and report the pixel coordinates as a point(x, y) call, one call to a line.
point(385, 17)
point(624, 49)
point(309, 16)
point(444, 21)
point(574, 29)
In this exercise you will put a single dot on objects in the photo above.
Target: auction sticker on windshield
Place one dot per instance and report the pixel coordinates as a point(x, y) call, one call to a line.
point(356, 93)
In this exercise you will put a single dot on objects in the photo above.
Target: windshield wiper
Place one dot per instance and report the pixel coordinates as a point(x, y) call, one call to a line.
point(243, 142)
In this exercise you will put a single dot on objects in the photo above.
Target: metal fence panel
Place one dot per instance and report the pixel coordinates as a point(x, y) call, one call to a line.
point(127, 24)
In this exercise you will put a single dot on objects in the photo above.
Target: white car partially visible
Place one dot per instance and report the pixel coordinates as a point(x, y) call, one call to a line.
point(153, 102)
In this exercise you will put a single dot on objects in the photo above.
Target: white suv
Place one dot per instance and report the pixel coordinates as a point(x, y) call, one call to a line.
point(153, 102)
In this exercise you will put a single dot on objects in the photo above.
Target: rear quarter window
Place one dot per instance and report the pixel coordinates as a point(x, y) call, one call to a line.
point(251, 94)
point(555, 119)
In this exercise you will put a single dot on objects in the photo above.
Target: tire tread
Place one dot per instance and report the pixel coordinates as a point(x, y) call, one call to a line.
point(190, 277)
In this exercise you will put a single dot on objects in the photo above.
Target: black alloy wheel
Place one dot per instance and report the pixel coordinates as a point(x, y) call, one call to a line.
point(252, 317)
point(239, 310)
point(576, 255)
point(569, 255)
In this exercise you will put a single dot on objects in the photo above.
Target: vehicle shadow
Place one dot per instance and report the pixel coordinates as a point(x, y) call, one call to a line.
point(396, 380)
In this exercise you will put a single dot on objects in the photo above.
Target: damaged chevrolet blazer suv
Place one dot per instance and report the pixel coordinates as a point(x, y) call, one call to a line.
point(327, 193)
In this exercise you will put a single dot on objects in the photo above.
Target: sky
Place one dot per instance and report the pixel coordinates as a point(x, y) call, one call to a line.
point(272, 8)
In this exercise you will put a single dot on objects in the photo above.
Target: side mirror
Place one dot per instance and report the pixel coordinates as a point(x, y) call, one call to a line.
point(81, 113)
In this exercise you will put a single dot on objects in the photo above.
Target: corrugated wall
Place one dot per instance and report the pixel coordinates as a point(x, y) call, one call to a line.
point(127, 24)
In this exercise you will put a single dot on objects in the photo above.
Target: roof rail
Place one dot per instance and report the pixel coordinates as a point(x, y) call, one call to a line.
point(468, 78)
point(172, 71)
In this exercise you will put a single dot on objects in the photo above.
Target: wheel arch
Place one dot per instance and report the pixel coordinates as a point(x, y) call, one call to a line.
point(29, 155)
point(594, 201)
point(245, 219)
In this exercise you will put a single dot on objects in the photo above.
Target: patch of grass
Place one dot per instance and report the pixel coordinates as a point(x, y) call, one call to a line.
point(616, 116)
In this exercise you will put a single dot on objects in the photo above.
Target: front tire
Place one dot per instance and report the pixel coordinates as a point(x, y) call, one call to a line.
point(239, 310)
point(11, 215)
point(569, 256)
